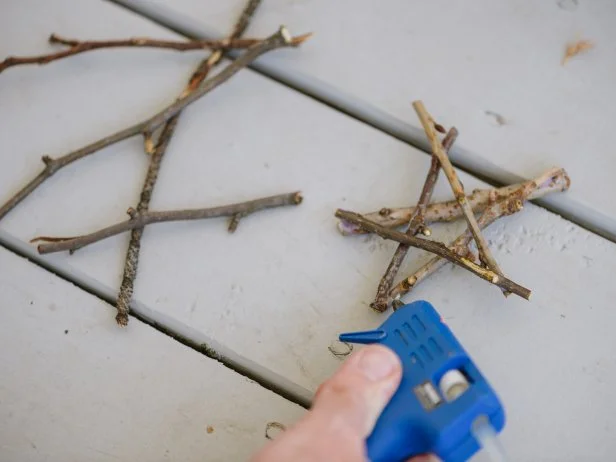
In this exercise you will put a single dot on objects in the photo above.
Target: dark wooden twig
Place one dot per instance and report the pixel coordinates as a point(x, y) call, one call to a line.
point(554, 180)
point(278, 40)
point(77, 47)
point(131, 263)
point(485, 255)
point(439, 249)
point(416, 225)
point(139, 220)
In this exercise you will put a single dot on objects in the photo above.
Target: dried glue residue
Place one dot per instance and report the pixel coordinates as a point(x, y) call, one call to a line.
point(273, 430)
point(340, 349)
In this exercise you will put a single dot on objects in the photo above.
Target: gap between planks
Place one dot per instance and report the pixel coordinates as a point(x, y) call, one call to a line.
point(182, 333)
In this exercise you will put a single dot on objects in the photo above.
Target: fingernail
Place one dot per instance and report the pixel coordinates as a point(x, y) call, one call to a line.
point(377, 362)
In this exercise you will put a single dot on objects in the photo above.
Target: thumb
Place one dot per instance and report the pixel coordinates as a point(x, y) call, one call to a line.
point(353, 399)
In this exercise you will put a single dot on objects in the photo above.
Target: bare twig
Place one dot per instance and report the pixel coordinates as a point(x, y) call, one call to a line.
point(139, 220)
point(553, 180)
point(238, 29)
point(449, 210)
point(278, 40)
point(416, 225)
point(131, 264)
point(485, 255)
point(245, 17)
point(439, 249)
point(77, 47)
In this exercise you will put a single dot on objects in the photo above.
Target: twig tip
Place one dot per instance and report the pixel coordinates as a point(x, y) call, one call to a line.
point(296, 41)
point(298, 198)
point(122, 319)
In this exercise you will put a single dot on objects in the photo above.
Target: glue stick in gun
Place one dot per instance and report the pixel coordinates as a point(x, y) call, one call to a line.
point(444, 405)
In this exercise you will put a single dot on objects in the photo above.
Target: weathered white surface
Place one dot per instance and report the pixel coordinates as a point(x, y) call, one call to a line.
point(74, 387)
point(466, 60)
point(281, 289)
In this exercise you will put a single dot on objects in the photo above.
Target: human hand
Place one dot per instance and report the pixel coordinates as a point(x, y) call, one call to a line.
point(343, 414)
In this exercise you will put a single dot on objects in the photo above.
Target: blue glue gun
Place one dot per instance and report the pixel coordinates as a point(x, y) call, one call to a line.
point(442, 396)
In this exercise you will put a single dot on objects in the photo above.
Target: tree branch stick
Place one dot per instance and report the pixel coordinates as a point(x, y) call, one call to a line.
point(238, 29)
point(140, 220)
point(439, 249)
point(416, 223)
point(131, 264)
point(77, 47)
point(134, 246)
point(447, 211)
point(279, 40)
point(485, 256)
point(553, 180)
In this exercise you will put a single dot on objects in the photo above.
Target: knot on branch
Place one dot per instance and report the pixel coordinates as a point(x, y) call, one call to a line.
point(286, 36)
point(132, 213)
point(425, 231)
point(439, 128)
point(51, 165)
point(53, 38)
point(148, 142)
point(234, 222)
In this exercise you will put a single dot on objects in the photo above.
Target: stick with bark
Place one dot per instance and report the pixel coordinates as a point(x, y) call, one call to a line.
point(138, 220)
point(447, 211)
point(77, 47)
point(416, 224)
point(439, 249)
point(554, 180)
point(131, 263)
point(280, 39)
point(485, 255)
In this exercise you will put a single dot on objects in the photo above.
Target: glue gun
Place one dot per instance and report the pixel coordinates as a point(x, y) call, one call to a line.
point(443, 405)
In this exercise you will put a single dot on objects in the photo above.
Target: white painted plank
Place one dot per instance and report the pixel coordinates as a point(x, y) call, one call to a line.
point(466, 60)
point(279, 290)
point(74, 387)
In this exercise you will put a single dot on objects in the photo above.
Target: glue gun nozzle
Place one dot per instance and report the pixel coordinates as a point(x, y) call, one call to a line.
point(365, 337)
